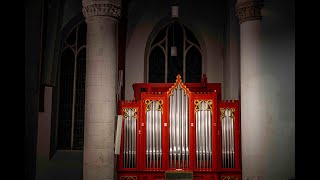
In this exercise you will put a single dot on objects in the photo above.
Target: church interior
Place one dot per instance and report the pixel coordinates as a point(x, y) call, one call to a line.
point(159, 89)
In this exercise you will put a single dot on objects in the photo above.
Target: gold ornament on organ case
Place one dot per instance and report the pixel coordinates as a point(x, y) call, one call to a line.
point(230, 114)
point(197, 104)
point(126, 112)
point(158, 105)
point(229, 178)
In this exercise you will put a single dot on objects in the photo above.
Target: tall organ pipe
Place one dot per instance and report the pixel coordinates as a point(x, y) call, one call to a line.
point(178, 150)
point(171, 125)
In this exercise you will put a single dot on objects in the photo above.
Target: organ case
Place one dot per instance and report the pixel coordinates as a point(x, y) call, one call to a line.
point(179, 128)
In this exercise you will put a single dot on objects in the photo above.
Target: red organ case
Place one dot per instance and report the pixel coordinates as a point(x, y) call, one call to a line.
point(179, 128)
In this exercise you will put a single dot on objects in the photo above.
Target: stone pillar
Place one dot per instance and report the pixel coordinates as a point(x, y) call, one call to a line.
point(100, 98)
point(252, 104)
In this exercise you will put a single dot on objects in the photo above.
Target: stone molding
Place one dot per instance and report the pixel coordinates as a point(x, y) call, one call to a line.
point(249, 10)
point(106, 9)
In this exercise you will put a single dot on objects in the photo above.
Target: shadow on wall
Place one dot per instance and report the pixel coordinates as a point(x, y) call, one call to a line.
point(63, 165)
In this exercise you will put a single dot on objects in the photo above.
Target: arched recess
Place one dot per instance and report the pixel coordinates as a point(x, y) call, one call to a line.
point(197, 42)
point(72, 56)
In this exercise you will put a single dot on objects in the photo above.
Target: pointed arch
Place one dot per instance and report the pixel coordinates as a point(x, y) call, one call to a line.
point(161, 38)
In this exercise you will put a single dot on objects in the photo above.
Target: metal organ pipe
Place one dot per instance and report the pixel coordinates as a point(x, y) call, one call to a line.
point(203, 134)
point(232, 140)
point(227, 123)
point(124, 142)
point(186, 129)
point(156, 136)
point(160, 134)
point(125, 148)
point(148, 134)
point(128, 142)
point(197, 137)
point(178, 124)
point(202, 131)
point(153, 133)
point(227, 138)
point(130, 128)
point(173, 132)
point(223, 142)
point(182, 127)
point(170, 136)
point(209, 136)
point(179, 150)
point(133, 140)
point(147, 138)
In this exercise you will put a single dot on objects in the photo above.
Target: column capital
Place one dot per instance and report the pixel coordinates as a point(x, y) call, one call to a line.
point(106, 8)
point(248, 10)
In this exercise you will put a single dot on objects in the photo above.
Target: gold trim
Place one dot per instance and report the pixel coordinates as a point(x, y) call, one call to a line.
point(197, 106)
point(222, 110)
point(128, 177)
point(229, 178)
point(126, 112)
point(159, 102)
point(232, 110)
point(148, 102)
point(182, 85)
point(135, 111)
point(230, 114)
point(209, 105)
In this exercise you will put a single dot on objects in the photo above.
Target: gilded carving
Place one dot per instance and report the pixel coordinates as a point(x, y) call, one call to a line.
point(176, 85)
point(159, 104)
point(229, 178)
point(126, 112)
point(135, 111)
point(128, 178)
point(209, 105)
point(222, 114)
point(197, 104)
point(230, 112)
point(148, 103)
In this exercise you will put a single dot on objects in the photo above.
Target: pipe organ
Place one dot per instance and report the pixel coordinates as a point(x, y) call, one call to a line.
point(179, 128)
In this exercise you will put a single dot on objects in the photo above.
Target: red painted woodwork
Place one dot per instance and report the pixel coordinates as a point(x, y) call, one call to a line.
point(195, 91)
point(204, 86)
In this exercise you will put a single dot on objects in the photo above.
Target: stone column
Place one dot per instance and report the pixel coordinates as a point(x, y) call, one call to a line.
point(252, 93)
point(100, 98)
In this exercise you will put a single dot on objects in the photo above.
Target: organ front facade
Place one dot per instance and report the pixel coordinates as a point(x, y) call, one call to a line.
point(172, 130)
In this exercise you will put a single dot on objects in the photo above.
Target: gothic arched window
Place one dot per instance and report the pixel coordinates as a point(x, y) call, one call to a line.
point(72, 89)
point(163, 66)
